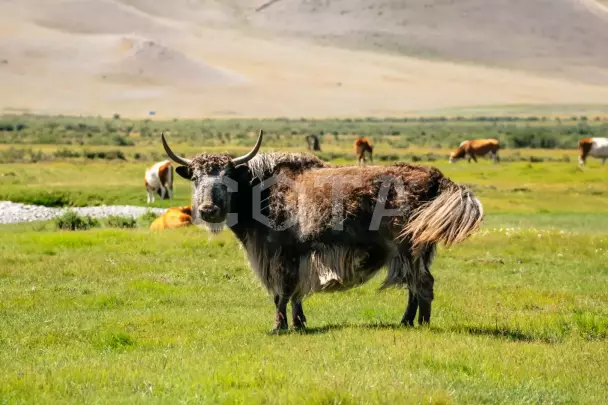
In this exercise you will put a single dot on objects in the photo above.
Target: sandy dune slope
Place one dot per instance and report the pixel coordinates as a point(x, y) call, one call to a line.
point(200, 58)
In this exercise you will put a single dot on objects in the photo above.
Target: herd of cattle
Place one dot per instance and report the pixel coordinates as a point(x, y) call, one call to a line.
point(320, 253)
point(159, 177)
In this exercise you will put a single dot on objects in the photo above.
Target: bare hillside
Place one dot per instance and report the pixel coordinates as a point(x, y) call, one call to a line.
point(551, 36)
point(193, 58)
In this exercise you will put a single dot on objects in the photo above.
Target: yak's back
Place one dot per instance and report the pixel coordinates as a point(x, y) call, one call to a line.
point(265, 165)
point(359, 189)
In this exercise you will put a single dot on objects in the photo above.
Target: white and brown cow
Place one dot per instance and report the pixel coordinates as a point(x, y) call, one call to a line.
point(159, 180)
point(476, 147)
point(594, 147)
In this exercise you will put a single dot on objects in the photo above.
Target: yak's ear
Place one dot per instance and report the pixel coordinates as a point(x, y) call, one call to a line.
point(184, 171)
point(229, 168)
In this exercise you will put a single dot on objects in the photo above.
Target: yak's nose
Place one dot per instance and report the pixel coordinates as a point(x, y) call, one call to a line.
point(209, 211)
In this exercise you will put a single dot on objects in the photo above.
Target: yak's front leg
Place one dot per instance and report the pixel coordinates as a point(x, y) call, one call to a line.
point(284, 290)
point(280, 319)
point(297, 314)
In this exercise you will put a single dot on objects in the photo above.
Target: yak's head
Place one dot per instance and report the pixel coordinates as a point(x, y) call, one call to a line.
point(457, 154)
point(213, 178)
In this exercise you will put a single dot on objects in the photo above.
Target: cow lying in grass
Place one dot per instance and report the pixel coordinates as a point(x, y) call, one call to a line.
point(159, 180)
point(175, 217)
point(308, 227)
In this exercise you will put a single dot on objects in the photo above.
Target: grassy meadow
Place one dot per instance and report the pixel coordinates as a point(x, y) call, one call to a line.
point(134, 316)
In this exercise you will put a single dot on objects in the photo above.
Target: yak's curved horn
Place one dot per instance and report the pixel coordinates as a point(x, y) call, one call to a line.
point(176, 159)
point(246, 158)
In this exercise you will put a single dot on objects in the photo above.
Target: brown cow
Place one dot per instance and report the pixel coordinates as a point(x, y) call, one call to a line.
point(175, 217)
point(476, 147)
point(363, 145)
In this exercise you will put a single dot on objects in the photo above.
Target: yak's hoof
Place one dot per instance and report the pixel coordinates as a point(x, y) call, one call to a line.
point(424, 320)
point(407, 323)
point(280, 323)
point(299, 322)
point(299, 325)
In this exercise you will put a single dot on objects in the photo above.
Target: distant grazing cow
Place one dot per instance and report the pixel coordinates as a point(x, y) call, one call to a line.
point(476, 147)
point(175, 217)
point(159, 180)
point(362, 145)
point(313, 143)
point(594, 147)
point(301, 240)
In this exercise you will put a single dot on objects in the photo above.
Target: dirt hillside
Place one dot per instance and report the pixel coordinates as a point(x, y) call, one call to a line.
point(205, 58)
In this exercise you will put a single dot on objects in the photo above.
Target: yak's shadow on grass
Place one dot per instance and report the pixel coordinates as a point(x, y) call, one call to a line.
point(499, 332)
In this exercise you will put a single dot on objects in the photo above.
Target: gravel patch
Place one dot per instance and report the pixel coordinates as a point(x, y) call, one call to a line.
point(11, 212)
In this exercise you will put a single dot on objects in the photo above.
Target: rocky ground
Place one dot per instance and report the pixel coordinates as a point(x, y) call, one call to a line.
point(11, 212)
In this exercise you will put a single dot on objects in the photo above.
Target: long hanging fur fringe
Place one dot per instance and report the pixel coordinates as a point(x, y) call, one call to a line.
point(450, 218)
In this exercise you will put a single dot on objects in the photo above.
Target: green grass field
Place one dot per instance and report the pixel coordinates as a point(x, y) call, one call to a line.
point(135, 316)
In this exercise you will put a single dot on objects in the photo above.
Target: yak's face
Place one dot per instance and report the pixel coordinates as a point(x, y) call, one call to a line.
point(210, 193)
point(211, 182)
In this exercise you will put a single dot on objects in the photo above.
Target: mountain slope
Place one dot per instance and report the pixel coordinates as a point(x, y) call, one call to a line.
point(193, 58)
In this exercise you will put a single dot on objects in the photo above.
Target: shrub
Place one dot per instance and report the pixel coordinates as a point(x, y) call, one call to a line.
point(109, 155)
point(44, 198)
point(71, 221)
point(146, 219)
point(66, 153)
point(122, 141)
point(119, 221)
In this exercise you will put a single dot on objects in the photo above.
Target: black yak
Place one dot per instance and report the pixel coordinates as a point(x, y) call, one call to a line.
point(313, 143)
point(309, 227)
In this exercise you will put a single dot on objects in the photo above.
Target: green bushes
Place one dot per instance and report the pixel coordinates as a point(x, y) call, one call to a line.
point(108, 155)
point(23, 155)
point(38, 197)
point(512, 131)
point(71, 221)
point(146, 219)
point(65, 153)
point(119, 221)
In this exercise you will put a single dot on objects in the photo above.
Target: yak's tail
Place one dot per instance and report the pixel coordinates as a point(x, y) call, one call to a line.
point(450, 218)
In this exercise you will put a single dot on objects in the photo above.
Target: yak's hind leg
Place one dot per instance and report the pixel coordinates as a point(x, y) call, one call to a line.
point(425, 284)
point(411, 309)
point(415, 272)
point(425, 297)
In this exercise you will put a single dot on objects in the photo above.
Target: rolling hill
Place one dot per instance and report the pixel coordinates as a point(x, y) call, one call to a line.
point(232, 58)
